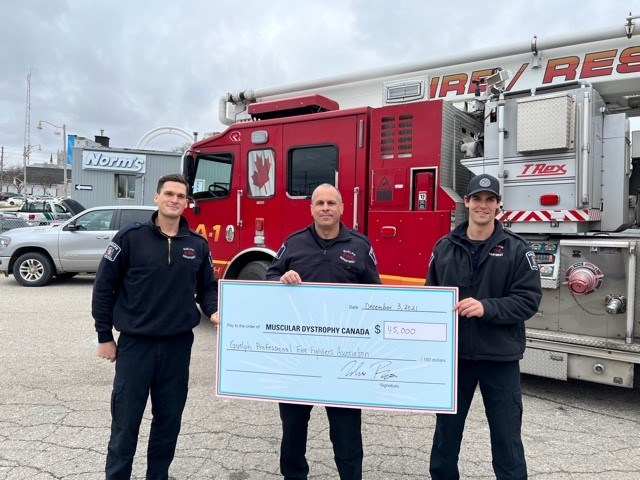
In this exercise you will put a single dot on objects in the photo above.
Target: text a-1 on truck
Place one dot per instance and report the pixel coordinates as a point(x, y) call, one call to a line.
point(549, 118)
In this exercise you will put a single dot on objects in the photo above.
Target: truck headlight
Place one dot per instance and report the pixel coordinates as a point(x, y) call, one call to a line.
point(5, 241)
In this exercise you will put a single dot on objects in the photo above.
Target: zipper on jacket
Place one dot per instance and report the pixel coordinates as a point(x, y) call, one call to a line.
point(169, 252)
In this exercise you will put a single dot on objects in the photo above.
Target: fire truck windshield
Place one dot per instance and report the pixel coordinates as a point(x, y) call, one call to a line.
point(213, 175)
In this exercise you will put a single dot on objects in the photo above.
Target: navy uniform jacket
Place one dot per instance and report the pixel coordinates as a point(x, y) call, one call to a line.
point(348, 258)
point(507, 282)
point(146, 282)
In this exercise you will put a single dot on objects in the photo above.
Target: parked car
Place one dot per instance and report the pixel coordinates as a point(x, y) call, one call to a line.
point(11, 201)
point(35, 254)
point(10, 221)
point(43, 212)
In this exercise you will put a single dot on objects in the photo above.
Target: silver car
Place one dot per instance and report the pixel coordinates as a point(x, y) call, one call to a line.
point(35, 254)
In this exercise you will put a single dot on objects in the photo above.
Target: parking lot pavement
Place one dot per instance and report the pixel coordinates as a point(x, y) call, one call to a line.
point(54, 413)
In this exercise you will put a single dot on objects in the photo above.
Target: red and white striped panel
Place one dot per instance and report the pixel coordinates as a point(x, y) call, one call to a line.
point(549, 216)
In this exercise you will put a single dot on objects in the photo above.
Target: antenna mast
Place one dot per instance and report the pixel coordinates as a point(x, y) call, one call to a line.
point(27, 134)
point(27, 120)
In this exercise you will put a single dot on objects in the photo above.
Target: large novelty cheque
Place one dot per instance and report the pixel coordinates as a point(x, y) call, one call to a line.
point(364, 346)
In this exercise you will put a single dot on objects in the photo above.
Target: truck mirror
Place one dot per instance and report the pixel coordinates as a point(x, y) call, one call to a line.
point(188, 169)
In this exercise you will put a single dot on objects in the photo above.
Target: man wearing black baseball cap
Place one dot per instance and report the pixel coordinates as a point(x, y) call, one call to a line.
point(484, 183)
point(499, 288)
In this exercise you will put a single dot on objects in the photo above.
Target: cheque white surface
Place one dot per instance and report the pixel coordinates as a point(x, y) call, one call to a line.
point(365, 346)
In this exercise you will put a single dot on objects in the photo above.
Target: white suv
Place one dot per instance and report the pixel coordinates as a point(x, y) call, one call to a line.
point(35, 254)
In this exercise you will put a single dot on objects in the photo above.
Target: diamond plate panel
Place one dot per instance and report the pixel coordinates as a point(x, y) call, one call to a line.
point(545, 363)
point(545, 123)
point(550, 283)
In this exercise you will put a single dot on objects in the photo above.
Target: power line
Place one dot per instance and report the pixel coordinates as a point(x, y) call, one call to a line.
point(16, 154)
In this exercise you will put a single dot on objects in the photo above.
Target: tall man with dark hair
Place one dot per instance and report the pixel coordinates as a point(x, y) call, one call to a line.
point(328, 252)
point(147, 286)
point(499, 286)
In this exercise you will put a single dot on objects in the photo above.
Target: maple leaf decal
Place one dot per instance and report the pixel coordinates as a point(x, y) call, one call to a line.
point(260, 176)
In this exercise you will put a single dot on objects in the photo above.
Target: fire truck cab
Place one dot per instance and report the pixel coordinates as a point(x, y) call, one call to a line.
point(256, 179)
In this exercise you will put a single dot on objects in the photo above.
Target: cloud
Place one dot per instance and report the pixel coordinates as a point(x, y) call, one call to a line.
point(127, 67)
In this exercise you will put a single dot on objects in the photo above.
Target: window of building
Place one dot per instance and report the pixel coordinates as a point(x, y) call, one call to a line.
point(310, 167)
point(125, 186)
point(213, 176)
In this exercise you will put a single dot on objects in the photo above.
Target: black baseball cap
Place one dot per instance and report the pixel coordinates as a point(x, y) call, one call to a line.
point(484, 183)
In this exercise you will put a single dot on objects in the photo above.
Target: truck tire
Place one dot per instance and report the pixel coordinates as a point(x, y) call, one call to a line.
point(33, 269)
point(254, 271)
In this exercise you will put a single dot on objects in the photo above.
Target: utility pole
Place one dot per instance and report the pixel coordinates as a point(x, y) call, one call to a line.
point(1, 169)
point(27, 134)
point(64, 149)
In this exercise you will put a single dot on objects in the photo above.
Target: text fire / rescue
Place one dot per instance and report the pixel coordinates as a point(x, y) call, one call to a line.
point(587, 66)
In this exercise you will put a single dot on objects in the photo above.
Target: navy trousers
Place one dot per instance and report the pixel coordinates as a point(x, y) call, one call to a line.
point(158, 366)
point(502, 398)
point(345, 434)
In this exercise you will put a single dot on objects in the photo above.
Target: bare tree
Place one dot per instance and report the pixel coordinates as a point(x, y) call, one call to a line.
point(47, 180)
point(181, 148)
point(15, 176)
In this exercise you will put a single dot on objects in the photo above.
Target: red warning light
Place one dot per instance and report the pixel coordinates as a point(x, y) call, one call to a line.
point(550, 199)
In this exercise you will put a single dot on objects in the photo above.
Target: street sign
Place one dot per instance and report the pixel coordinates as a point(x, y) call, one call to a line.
point(84, 187)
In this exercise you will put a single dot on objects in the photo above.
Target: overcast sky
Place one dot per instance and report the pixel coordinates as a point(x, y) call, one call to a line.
point(127, 66)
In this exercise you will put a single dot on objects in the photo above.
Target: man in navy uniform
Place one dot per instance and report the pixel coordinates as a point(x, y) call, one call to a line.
point(326, 251)
point(499, 287)
point(149, 280)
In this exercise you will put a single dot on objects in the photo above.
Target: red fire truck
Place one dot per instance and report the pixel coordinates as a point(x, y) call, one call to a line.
point(384, 161)
point(549, 119)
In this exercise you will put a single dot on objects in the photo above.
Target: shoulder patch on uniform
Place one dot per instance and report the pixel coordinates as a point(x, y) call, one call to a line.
point(112, 252)
point(533, 262)
point(280, 251)
point(373, 256)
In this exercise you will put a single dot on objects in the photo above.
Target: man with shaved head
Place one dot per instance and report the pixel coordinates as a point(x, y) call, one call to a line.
point(327, 252)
